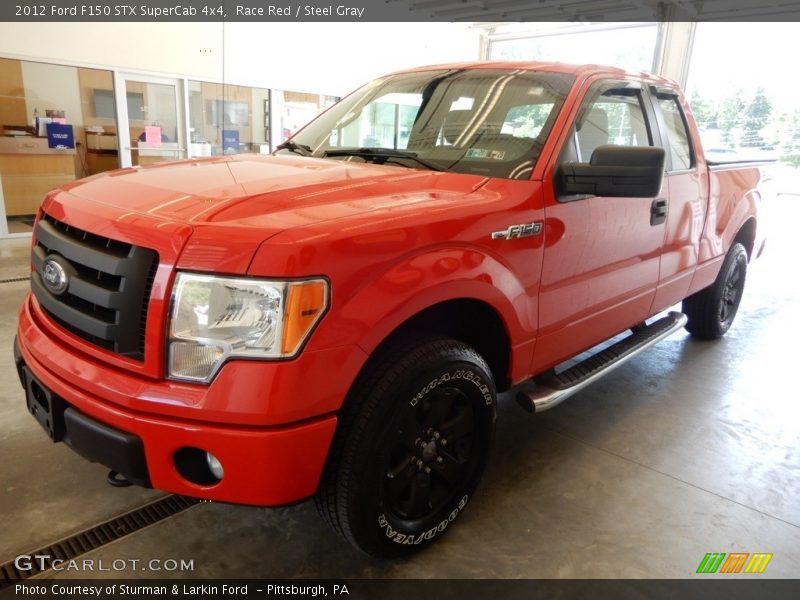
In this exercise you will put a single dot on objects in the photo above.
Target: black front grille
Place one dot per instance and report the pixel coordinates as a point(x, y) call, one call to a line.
point(109, 286)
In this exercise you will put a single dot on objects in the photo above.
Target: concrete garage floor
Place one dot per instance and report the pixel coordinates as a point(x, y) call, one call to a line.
point(690, 448)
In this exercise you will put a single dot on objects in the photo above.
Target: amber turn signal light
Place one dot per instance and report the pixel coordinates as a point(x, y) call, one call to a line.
point(305, 303)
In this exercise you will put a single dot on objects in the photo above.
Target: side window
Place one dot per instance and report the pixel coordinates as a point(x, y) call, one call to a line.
point(677, 135)
point(615, 117)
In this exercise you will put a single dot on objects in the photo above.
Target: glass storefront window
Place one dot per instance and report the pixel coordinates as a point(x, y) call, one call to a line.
point(52, 130)
point(293, 110)
point(228, 119)
point(153, 121)
point(99, 121)
point(223, 119)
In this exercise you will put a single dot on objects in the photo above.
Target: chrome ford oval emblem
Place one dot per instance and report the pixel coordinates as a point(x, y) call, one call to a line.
point(54, 276)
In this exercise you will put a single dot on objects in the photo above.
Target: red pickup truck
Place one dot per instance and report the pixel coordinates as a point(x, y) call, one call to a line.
point(336, 320)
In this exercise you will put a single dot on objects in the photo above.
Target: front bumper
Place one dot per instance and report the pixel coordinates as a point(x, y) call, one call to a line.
point(263, 465)
point(120, 451)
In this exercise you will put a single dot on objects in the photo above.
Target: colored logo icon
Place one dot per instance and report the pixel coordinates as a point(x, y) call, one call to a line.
point(733, 563)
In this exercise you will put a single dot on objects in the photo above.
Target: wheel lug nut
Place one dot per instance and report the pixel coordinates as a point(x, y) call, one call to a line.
point(427, 469)
point(439, 459)
point(444, 442)
point(417, 442)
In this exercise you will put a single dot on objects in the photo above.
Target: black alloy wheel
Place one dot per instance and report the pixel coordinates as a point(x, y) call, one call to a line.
point(430, 455)
point(711, 311)
point(412, 442)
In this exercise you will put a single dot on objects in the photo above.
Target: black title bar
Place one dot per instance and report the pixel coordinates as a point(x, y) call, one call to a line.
point(706, 588)
point(398, 10)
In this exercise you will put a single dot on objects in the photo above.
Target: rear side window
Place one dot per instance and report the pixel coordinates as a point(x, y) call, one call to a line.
point(677, 135)
point(615, 117)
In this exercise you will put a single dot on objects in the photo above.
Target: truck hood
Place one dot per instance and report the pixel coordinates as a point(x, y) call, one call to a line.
point(269, 193)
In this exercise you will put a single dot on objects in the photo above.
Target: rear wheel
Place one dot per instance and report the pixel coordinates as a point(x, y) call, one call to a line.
point(411, 446)
point(711, 311)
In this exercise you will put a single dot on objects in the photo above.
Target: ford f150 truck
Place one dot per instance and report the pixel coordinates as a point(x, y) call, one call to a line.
point(336, 320)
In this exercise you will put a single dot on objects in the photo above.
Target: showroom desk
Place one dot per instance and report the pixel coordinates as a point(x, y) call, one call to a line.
point(101, 160)
point(148, 155)
point(101, 151)
point(29, 169)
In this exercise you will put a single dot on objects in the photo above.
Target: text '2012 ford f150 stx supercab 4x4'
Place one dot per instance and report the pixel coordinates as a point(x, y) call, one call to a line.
point(336, 320)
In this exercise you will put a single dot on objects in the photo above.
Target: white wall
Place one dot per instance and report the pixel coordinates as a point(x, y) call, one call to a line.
point(335, 58)
point(182, 48)
point(324, 58)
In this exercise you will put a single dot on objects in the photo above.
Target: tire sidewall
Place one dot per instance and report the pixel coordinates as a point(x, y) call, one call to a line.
point(736, 256)
point(373, 523)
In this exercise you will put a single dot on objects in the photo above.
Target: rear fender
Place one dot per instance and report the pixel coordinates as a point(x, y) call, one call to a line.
point(735, 197)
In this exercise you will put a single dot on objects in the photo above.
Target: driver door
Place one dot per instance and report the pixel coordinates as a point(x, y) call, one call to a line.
point(601, 258)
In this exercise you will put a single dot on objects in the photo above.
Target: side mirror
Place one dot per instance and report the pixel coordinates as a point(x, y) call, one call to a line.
point(619, 171)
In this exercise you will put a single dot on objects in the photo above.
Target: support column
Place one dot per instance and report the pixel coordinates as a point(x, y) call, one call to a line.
point(674, 48)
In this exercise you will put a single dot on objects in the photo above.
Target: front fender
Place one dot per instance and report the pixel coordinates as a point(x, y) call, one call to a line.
point(376, 288)
point(418, 282)
point(389, 264)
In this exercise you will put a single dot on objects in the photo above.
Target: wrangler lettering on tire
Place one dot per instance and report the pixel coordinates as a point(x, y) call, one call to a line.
point(411, 447)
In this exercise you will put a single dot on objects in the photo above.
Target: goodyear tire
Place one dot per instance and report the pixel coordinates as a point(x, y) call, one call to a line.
point(412, 443)
point(711, 311)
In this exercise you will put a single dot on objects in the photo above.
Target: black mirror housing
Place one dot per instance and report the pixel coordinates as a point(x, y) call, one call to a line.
point(617, 171)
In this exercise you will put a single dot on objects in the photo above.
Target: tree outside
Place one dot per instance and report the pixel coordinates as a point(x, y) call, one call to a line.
point(746, 123)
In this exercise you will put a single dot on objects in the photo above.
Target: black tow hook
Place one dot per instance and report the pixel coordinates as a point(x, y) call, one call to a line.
point(117, 480)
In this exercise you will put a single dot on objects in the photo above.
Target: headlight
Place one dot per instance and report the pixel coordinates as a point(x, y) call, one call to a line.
point(215, 318)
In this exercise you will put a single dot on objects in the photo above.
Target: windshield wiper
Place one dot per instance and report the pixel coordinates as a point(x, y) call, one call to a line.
point(300, 149)
point(381, 153)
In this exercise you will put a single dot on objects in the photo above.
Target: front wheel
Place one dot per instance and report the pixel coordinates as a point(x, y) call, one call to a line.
point(411, 446)
point(711, 311)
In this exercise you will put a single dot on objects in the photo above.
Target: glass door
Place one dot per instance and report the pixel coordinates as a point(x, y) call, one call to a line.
point(151, 120)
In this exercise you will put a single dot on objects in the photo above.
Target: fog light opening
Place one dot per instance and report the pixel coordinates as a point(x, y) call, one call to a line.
point(198, 466)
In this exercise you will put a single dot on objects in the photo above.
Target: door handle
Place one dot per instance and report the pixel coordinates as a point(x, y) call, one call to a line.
point(658, 211)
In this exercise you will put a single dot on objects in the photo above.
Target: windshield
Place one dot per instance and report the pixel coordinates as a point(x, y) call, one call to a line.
point(480, 121)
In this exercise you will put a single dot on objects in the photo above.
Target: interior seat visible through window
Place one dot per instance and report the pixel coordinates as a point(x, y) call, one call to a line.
point(592, 132)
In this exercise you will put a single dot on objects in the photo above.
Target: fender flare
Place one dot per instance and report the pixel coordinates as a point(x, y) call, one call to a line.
point(422, 280)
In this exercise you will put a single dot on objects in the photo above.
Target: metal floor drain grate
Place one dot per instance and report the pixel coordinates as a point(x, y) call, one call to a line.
point(97, 536)
point(14, 279)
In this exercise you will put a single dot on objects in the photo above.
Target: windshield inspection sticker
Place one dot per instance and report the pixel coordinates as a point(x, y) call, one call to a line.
point(484, 153)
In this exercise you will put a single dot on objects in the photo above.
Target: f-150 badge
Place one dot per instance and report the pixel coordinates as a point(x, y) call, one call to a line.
point(518, 231)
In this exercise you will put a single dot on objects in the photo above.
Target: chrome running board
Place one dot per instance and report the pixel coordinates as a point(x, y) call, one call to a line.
point(556, 388)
